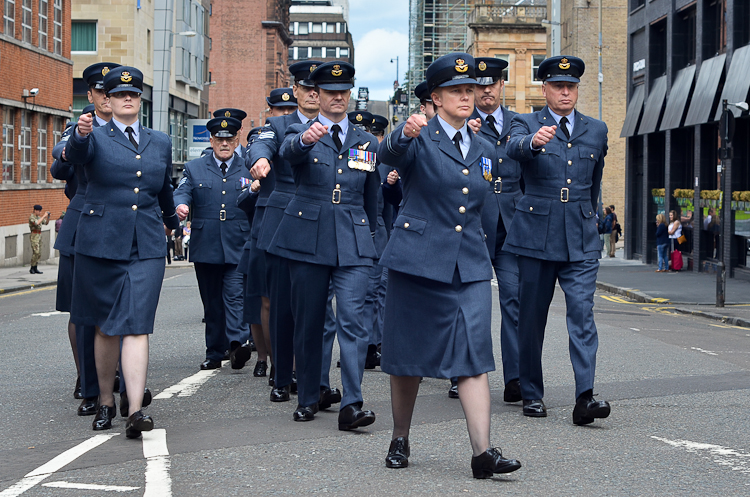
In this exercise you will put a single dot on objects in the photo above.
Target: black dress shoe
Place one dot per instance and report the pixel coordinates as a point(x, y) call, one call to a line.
point(587, 409)
point(491, 461)
point(398, 453)
point(125, 403)
point(239, 356)
point(116, 384)
point(372, 360)
point(280, 394)
point(328, 397)
point(261, 367)
point(138, 422)
point(293, 385)
point(352, 417)
point(305, 413)
point(512, 391)
point(453, 390)
point(209, 364)
point(534, 408)
point(103, 419)
point(77, 390)
point(88, 407)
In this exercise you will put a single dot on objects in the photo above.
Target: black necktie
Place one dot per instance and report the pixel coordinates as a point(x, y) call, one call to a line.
point(336, 129)
point(223, 168)
point(564, 127)
point(457, 141)
point(129, 131)
point(491, 122)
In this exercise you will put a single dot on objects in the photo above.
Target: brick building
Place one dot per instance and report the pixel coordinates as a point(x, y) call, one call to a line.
point(320, 31)
point(249, 58)
point(516, 34)
point(35, 103)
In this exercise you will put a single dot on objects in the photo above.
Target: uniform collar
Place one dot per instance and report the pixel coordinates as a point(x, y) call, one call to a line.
point(136, 129)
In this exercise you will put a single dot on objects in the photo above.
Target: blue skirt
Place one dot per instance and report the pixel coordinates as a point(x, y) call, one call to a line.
point(437, 330)
point(64, 283)
point(120, 297)
point(255, 270)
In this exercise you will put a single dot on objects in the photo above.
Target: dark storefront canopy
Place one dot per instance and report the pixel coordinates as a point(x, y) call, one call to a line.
point(653, 107)
point(634, 112)
point(738, 81)
point(678, 98)
point(705, 90)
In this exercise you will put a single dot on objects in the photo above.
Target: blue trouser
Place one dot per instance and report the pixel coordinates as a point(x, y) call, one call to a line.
point(663, 252)
point(281, 320)
point(506, 270)
point(310, 288)
point(536, 288)
point(374, 304)
point(221, 287)
point(329, 334)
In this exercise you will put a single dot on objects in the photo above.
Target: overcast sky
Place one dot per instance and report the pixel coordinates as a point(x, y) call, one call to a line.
point(381, 32)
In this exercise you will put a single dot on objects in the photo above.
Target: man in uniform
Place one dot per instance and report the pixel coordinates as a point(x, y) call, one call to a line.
point(211, 185)
point(36, 220)
point(281, 102)
point(498, 210)
point(240, 115)
point(326, 232)
point(261, 155)
point(554, 233)
point(426, 106)
point(361, 119)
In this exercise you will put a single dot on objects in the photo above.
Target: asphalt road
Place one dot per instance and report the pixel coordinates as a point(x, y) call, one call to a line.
point(679, 388)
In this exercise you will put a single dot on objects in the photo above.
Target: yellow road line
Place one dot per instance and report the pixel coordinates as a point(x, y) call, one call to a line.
point(13, 294)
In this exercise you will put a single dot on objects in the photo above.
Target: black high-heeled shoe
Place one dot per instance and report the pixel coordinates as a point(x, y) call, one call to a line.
point(261, 367)
point(491, 461)
point(398, 453)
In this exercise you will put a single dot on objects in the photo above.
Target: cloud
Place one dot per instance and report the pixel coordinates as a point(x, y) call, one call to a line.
point(372, 60)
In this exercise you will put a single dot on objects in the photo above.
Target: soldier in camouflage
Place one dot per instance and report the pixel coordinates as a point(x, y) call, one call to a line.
point(36, 220)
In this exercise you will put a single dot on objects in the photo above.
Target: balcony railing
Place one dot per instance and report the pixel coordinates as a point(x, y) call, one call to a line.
point(507, 12)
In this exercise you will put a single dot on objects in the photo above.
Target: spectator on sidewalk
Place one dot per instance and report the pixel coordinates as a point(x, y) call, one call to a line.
point(606, 229)
point(616, 231)
point(675, 230)
point(662, 243)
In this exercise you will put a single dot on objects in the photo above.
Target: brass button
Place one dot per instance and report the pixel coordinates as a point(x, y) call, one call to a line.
point(299, 213)
point(437, 132)
point(138, 157)
point(544, 150)
point(458, 229)
point(91, 211)
point(592, 156)
point(338, 186)
point(466, 172)
point(199, 184)
point(406, 225)
point(340, 171)
point(222, 206)
point(136, 190)
point(341, 156)
point(500, 160)
point(499, 142)
point(462, 209)
point(223, 192)
point(465, 190)
point(570, 145)
point(363, 220)
point(135, 207)
point(315, 159)
point(589, 213)
point(570, 162)
point(224, 180)
point(531, 208)
point(569, 181)
point(138, 174)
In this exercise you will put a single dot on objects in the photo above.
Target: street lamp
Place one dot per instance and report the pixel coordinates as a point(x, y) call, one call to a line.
point(395, 83)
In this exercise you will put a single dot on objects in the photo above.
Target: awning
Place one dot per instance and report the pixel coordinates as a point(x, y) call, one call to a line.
point(738, 81)
point(678, 99)
point(634, 112)
point(653, 107)
point(705, 90)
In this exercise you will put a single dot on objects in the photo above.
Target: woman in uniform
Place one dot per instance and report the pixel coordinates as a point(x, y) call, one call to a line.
point(439, 299)
point(116, 285)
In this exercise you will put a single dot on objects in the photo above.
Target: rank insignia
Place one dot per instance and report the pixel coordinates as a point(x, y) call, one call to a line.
point(313, 67)
point(125, 77)
point(105, 70)
point(336, 71)
point(285, 97)
point(564, 64)
point(227, 114)
point(364, 146)
point(359, 117)
point(482, 66)
point(224, 124)
point(362, 160)
point(461, 66)
point(486, 168)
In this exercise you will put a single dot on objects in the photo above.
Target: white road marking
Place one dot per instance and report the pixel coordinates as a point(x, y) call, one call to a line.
point(635, 329)
point(735, 460)
point(158, 481)
point(88, 486)
point(698, 349)
point(48, 314)
point(189, 385)
point(56, 463)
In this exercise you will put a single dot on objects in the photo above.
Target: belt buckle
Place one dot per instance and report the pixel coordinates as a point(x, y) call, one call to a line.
point(222, 215)
point(499, 185)
point(334, 199)
point(564, 194)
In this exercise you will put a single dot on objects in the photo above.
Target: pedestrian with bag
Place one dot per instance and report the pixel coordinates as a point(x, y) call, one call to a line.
point(676, 238)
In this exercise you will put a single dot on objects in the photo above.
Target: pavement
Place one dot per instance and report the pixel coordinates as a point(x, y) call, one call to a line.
point(684, 291)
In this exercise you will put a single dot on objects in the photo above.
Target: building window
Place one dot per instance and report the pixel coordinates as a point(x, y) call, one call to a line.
point(317, 27)
point(506, 73)
point(317, 52)
point(302, 53)
point(43, 10)
point(344, 52)
point(292, 54)
point(178, 134)
point(535, 61)
point(9, 16)
point(83, 37)
point(79, 102)
point(145, 115)
point(9, 141)
point(57, 21)
point(26, 20)
point(41, 162)
point(57, 129)
point(301, 28)
point(634, 4)
point(25, 147)
point(329, 27)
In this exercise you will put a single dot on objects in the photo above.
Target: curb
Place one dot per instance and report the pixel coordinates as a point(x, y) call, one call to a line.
point(626, 292)
point(716, 317)
point(21, 288)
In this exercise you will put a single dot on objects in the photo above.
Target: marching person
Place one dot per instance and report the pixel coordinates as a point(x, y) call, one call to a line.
point(498, 211)
point(426, 106)
point(36, 220)
point(210, 185)
point(261, 156)
point(240, 115)
point(439, 271)
point(326, 232)
point(554, 232)
point(128, 196)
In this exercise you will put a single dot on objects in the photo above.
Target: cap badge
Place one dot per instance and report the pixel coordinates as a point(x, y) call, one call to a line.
point(564, 64)
point(482, 66)
point(285, 97)
point(313, 67)
point(461, 66)
point(359, 117)
point(227, 114)
point(105, 70)
point(224, 124)
point(125, 77)
point(336, 71)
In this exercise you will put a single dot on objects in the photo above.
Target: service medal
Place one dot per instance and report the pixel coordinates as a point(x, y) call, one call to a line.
point(486, 168)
